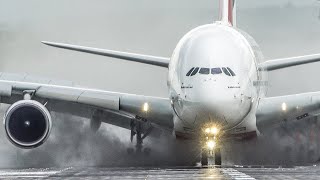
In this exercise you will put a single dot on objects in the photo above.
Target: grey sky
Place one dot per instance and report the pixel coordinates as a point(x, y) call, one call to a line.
point(144, 26)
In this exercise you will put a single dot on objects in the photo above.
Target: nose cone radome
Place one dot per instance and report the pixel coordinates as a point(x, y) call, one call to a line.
point(225, 109)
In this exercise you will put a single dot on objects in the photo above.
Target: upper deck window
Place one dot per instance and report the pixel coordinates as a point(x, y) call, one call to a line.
point(204, 71)
point(226, 71)
point(195, 71)
point(188, 74)
point(231, 72)
point(216, 71)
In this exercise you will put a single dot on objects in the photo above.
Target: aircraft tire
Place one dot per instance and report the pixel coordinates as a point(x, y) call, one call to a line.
point(204, 158)
point(217, 157)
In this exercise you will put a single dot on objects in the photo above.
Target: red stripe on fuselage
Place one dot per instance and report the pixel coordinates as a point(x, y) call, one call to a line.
point(230, 15)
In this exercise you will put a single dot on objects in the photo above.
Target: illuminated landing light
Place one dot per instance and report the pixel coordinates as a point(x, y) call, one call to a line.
point(145, 107)
point(207, 130)
point(214, 130)
point(211, 144)
point(284, 107)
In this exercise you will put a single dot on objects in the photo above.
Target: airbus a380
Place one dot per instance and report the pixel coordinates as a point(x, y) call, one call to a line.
point(216, 79)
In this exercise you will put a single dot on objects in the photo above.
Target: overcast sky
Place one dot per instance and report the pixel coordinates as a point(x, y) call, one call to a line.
point(282, 28)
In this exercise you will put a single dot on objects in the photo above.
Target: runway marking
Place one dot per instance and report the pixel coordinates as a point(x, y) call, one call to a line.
point(30, 173)
point(234, 174)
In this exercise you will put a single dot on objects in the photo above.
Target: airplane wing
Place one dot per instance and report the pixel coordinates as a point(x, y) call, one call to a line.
point(119, 109)
point(268, 65)
point(278, 110)
point(275, 64)
point(146, 59)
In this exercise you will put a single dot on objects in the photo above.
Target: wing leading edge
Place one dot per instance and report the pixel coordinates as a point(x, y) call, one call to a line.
point(145, 59)
point(76, 101)
point(289, 62)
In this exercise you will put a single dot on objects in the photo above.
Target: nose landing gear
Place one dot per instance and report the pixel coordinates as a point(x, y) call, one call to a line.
point(210, 154)
point(211, 147)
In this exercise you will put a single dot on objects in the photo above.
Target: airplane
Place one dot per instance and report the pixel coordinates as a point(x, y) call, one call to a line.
point(217, 80)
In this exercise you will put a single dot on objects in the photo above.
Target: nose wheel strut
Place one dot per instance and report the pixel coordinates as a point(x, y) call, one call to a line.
point(206, 154)
point(211, 146)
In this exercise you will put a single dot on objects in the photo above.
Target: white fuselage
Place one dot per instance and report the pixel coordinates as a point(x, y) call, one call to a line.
point(210, 92)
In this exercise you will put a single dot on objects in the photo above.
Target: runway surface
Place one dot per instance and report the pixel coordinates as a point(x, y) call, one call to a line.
point(234, 172)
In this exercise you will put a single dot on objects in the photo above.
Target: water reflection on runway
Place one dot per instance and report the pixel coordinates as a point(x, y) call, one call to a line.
point(232, 172)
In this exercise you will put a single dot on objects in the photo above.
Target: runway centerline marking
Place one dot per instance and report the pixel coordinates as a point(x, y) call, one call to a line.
point(234, 174)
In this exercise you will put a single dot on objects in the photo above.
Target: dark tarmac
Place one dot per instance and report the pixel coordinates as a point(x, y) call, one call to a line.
point(232, 172)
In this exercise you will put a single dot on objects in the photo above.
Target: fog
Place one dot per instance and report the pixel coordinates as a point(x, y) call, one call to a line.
point(282, 28)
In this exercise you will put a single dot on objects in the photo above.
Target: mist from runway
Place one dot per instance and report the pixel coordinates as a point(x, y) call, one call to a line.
point(72, 143)
point(282, 29)
point(290, 144)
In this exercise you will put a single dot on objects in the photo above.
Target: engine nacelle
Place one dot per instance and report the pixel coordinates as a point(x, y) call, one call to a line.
point(27, 123)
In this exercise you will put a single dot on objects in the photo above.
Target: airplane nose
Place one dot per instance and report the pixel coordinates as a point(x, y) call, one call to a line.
point(226, 109)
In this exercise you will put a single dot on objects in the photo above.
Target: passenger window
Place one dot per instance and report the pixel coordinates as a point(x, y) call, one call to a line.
point(231, 72)
point(188, 74)
point(216, 71)
point(204, 71)
point(226, 71)
point(195, 71)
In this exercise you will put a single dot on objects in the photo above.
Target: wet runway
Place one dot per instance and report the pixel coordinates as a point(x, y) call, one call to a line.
point(234, 172)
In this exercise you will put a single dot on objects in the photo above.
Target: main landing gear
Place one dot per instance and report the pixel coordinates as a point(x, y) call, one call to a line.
point(137, 130)
point(211, 147)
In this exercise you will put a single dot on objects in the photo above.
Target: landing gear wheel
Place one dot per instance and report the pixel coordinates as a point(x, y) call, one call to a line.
point(204, 157)
point(217, 157)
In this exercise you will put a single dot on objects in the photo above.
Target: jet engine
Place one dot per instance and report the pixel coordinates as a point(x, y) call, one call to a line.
point(27, 123)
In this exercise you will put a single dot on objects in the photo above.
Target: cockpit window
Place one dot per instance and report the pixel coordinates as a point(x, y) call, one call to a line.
point(204, 71)
point(231, 72)
point(216, 71)
point(188, 74)
point(226, 71)
point(195, 71)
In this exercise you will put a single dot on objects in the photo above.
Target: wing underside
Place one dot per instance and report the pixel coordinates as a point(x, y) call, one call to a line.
point(278, 110)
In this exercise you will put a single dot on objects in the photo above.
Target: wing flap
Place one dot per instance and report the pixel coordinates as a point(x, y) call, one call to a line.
point(146, 59)
point(84, 96)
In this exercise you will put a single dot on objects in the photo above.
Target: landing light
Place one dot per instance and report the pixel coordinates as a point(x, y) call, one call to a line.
point(211, 144)
point(207, 130)
point(284, 107)
point(145, 107)
point(212, 130)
